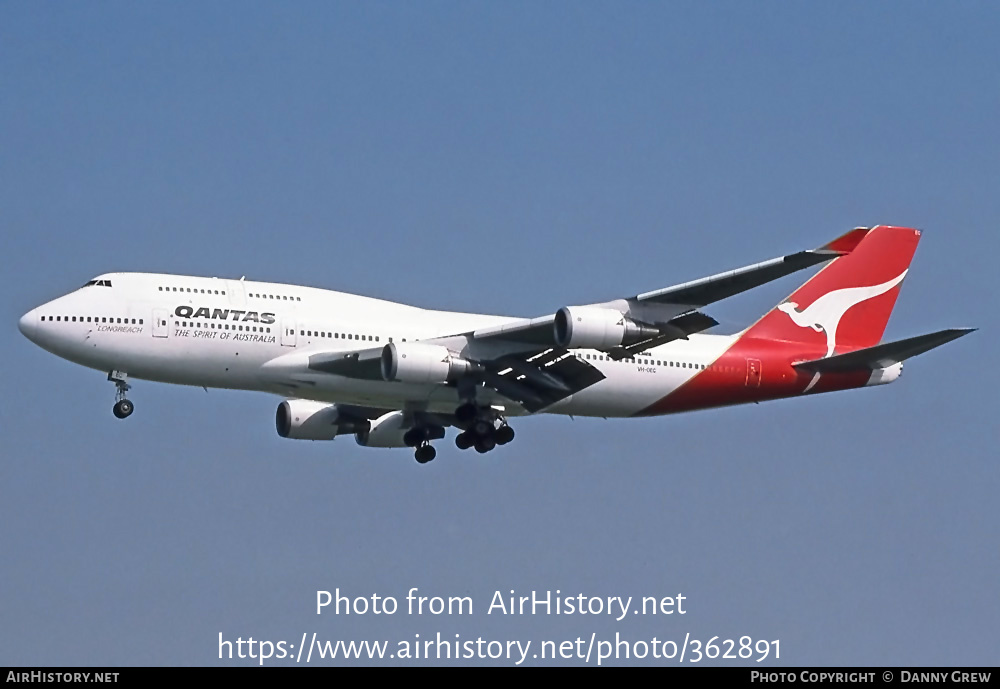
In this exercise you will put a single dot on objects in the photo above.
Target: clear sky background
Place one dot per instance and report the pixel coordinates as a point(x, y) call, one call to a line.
point(504, 158)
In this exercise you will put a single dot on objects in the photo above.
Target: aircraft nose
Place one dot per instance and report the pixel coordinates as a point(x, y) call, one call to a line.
point(28, 324)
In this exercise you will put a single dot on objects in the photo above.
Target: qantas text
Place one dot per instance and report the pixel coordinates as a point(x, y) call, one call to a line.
point(223, 314)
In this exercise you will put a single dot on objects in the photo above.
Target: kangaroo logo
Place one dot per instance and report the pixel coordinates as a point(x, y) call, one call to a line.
point(824, 314)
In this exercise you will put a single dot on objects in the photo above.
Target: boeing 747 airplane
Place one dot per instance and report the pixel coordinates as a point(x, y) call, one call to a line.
point(398, 376)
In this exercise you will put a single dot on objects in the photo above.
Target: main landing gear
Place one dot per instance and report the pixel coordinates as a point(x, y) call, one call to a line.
point(420, 437)
point(425, 453)
point(123, 407)
point(484, 429)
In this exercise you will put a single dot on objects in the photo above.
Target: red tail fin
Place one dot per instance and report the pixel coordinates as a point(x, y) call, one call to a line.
point(846, 305)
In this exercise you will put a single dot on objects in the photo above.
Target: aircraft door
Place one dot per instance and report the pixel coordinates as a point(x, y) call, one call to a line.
point(753, 373)
point(236, 291)
point(287, 333)
point(161, 323)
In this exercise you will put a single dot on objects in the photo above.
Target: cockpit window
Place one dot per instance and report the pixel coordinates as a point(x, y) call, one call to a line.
point(98, 283)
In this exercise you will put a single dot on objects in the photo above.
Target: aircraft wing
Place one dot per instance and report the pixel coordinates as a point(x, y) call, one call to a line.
point(664, 306)
point(535, 380)
point(714, 288)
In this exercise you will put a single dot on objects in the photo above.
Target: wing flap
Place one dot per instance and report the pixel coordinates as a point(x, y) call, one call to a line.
point(542, 379)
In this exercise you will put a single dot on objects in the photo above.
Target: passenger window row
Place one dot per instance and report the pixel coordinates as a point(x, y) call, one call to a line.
point(221, 326)
point(89, 319)
point(336, 336)
point(655, 362)
point(282, 297)
point(194, 290)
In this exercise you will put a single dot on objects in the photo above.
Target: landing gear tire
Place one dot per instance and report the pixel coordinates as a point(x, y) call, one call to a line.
point(482, 427)
point(504, 435)
point(463, 441)
point(425, 454)
point(484, 445)
point(123, 409)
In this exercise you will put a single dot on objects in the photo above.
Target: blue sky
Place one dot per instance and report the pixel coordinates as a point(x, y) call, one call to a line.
point(504, 158)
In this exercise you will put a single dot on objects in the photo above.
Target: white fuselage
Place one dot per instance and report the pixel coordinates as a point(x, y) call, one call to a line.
point(249, 335)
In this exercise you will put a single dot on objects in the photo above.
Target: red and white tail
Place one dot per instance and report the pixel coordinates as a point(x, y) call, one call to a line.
point(847, 304)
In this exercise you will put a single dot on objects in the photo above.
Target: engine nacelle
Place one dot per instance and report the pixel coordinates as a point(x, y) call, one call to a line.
point(385, 431)
point(593, 327)
point(311, 420)
point(416, 362)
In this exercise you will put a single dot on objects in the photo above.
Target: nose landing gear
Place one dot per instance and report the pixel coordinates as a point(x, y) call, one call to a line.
point(123, 407)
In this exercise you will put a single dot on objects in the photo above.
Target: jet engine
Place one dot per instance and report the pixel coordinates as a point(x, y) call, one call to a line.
point(385, 431)
point(593, 327)
point(311, 420)
point(416, 362)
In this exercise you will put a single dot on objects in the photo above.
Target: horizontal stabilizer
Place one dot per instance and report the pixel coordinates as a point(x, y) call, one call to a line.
point(883, 355)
